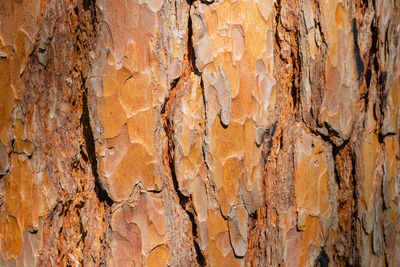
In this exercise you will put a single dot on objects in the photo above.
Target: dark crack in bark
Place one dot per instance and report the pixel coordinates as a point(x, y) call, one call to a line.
point(167, 113)
point(101, 193)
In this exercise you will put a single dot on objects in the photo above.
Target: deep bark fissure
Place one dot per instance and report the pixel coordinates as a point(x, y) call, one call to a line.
point(85, 124)
point(359, 61)
point(291, 61)
point(91, 5)
point(322, 259)
point(186, 202)
point(191, 53)
point(295, 56)
point(101, 193)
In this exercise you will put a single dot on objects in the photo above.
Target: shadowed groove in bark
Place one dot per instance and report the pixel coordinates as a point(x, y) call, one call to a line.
point(91, 5)
point(291, 61)
point(87, 131)
point(101, 193)
point(185, 202)
point(323, 259)
point(359, 62)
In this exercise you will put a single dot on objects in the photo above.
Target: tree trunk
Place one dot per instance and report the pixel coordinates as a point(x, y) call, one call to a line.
point(218, 133)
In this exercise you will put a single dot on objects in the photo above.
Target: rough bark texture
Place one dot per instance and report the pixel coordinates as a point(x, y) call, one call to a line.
point(187, 133)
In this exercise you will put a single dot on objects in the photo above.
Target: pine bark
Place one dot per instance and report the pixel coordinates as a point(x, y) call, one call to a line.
point(199, 133)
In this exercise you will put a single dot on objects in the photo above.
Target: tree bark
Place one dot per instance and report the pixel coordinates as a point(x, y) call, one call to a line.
point(199, 133)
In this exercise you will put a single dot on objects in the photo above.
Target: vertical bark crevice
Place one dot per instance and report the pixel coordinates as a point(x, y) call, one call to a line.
point(101, 193)
point(359, 61)
point(168, 113)
point(184, 201)
point(347, 235)
point(287, 42)
point(87, 132)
